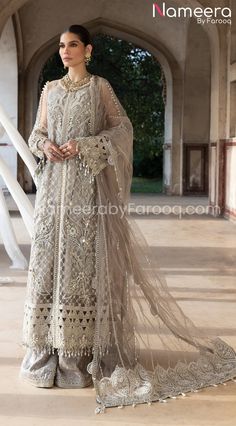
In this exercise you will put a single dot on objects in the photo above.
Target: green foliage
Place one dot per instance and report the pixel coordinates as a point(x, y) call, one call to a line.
point(52, 70)
point(145, 185)
point(136, 77)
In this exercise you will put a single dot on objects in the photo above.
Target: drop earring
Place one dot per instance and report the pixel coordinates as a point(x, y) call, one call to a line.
point(87, 59)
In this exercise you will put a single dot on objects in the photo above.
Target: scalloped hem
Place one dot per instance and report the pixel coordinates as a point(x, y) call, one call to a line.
point(210, 370)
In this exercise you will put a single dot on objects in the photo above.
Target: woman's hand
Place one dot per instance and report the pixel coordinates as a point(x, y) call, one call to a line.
point(69, 149)
point(52, 152)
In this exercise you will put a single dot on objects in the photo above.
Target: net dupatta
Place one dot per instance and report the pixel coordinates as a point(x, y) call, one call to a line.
point(145, 347)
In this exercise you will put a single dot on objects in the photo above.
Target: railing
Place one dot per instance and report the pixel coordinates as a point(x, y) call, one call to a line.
point(24, 205)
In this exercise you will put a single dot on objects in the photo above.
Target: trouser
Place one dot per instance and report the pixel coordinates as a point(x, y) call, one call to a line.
point(45, 370)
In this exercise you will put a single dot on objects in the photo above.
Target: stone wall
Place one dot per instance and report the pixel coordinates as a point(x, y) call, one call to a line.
point(8, 94)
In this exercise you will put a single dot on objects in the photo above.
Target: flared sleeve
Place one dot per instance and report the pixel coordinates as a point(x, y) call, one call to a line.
point(94, 152)
point(39, 133)
point(98, 150)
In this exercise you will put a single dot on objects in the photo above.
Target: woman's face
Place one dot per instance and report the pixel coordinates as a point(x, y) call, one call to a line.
point(72, 50)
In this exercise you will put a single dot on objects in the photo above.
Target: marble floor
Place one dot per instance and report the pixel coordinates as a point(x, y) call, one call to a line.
point(197, 254)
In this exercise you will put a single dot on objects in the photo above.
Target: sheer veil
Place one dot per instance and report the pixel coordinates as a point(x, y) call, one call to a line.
point(145, 348)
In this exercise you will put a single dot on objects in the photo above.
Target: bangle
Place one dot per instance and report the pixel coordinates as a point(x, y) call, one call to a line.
point(41, 144)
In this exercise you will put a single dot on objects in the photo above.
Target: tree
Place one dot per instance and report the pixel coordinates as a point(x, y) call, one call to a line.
point(137, 79)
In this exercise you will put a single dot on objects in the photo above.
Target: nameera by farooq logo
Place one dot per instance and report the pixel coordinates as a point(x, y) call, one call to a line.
point(215, 15)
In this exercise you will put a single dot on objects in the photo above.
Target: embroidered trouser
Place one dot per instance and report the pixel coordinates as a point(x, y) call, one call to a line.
point(45, 370)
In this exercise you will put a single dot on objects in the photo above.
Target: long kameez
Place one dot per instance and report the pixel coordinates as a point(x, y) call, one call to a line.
point(60, 305)
point(94, 288)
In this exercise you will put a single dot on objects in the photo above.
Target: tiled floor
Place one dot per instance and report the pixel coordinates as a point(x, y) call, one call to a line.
point(198, 257)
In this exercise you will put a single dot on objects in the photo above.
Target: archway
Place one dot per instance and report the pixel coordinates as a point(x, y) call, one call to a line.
point(137, 79)
point(174, 151)
point(164, 57)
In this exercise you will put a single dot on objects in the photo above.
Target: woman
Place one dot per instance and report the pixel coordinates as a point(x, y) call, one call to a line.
point(95, 306)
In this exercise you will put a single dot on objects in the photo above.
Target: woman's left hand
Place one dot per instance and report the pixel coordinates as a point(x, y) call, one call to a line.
point(69, 149)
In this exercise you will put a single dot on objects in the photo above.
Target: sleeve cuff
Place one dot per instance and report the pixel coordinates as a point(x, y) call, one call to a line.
point(95, 152)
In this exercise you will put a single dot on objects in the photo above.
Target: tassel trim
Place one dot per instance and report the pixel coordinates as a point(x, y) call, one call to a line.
point(61, 351)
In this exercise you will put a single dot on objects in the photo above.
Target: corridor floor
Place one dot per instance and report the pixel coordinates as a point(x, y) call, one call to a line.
point(197, 254)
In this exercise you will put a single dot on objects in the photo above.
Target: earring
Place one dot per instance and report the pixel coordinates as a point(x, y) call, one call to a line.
point(87, 59)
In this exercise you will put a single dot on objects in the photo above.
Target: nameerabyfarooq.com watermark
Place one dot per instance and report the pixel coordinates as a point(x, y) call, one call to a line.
point(203, 15)
point(129, 209)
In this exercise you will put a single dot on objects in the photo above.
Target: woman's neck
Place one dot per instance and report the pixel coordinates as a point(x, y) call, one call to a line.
point(77, 74)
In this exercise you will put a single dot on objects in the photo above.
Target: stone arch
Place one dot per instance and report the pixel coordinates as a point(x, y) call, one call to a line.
point(8, 8)
point(213, 35)
point(177, 85)
point(165, 58)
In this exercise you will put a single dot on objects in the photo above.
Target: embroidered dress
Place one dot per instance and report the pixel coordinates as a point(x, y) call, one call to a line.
point(60, 305)
point(94, 284)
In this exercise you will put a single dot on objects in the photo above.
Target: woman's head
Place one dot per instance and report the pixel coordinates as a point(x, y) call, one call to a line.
point(75, 45)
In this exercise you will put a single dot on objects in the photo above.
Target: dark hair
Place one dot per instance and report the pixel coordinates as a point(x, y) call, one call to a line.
point(81, 32)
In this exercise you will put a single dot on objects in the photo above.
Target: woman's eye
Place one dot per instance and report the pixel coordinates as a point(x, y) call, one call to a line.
point(72, 45)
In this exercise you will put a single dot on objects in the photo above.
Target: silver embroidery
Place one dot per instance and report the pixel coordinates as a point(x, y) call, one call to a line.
point(60, 306)
point(128, 387)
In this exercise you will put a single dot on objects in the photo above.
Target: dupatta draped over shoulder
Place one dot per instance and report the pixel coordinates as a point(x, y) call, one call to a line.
point(145, 348)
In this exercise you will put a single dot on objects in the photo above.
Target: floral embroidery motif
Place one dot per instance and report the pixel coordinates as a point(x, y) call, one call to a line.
point(128, 387)
point(65, 205)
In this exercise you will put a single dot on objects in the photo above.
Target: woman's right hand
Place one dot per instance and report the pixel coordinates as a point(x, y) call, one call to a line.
point(52, 152)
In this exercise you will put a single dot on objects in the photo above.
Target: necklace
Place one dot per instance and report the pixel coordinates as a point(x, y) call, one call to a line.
point(74, 85)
